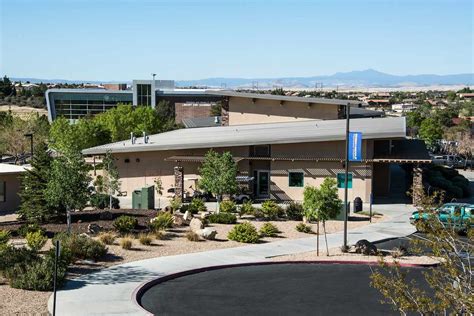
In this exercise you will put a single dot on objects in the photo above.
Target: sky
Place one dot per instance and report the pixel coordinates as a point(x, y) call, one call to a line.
point(121, 40)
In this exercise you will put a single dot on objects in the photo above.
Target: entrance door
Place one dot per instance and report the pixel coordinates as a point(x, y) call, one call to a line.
point(263, 183)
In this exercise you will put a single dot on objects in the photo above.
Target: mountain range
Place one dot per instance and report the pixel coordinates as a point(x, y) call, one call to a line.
point(355, 79)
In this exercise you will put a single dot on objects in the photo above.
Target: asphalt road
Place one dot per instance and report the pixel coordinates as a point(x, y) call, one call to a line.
point(277, 289)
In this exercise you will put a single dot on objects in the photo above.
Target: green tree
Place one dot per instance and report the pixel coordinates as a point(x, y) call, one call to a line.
point(216, 109)
point(218, 174)
point(329, 205)
point(34, 206)
point(111, 183)
point(431, 132)
point(310, 209)
point(68, 185)
point(159, 190)
point(6, 87)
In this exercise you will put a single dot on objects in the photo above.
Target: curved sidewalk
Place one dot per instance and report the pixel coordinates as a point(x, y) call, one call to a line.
point(110, 291)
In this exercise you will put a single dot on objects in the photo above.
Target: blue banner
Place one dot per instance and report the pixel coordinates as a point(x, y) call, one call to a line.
point(355, 146)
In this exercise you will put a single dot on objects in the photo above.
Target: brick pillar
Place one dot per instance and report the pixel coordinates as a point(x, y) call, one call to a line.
point(417, 184)
point(179, 181)
point(225, 112)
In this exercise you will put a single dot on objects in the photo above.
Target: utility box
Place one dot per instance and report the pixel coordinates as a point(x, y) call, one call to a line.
point(144, 198)
point(357, 205)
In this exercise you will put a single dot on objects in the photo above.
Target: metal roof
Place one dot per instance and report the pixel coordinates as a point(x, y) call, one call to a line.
point(6, 168)
point(231, 93)
point(259, 134)
point(194, 122)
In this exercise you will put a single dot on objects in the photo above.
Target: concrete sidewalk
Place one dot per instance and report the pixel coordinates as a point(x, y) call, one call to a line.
point(110, 291)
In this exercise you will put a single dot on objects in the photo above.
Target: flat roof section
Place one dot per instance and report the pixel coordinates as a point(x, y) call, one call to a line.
point(259, 134)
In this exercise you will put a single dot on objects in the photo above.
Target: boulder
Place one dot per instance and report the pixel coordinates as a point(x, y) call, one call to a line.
point(187, 216)
point(93, 229)
point(207, 233)
point(365, 247)
point(178, 220)
point(106, 216)
point(196, 224)
point(204, 215)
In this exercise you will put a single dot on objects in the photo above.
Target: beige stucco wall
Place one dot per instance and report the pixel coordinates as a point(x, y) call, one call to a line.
point(245, 111)
point(12, 202)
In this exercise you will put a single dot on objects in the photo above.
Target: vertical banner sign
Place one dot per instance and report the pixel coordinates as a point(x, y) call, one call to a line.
point(355, 146)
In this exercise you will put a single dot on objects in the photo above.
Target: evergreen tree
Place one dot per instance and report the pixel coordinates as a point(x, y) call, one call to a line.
point(34, 205)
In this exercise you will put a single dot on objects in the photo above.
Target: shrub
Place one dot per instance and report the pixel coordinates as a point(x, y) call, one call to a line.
point(125, 224)
point(101, 201)
point(107, 238)
point(222, 218)
point(192, 236)
point(271, 210)
point(37, 275)
point(10, 256)
point(196, 206)
point(145, 239)
point(160, 235)
point(4, 237)
point(244, 232)
point(303, 228)
point(269, 230)
point(81, 247)
point(294, 211)
point(258, 213)
point(28, 228)
point(228, 206)
point(36, 240)
point(126, 242)
point(247, 208)
point(175, 203)
point(162, 221)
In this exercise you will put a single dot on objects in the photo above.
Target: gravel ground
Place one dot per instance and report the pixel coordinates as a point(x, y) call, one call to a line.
point(21, 302)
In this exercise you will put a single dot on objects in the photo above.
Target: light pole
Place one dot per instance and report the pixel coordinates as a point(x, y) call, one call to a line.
point(346, 176)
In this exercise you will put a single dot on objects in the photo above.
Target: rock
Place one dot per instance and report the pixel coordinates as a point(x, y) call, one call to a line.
point(196, 224)
point(207, 233)
point(187, 216)
point(178, 220)
point(93, 229)
point(106, 215)
point(85, 235)
point(365, 247)
point(204, 215)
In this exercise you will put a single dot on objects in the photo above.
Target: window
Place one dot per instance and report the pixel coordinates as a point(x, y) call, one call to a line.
point(341, 183)
point(144, 94)
point(260, 151)
point(296, 179)
point(3, 191)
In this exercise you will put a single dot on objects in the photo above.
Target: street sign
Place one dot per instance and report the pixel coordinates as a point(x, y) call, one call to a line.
point(355, 146)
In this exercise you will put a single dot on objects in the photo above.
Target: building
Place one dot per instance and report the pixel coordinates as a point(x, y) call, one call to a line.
point(10, 186)
point(76, 103)
point(283, 143)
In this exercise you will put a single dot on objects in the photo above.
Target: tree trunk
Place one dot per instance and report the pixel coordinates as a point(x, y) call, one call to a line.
point(317, 238)
point(68, 219)
point(326, 238)
point(218, 199)
point(110, 201)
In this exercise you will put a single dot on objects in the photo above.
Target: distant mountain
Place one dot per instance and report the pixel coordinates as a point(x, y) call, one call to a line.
point(363, 78)
point(359, 78)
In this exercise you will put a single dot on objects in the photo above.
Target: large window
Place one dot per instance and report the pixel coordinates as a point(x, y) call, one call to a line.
point(296, 179)
point(144, 94)
point(3, 191)
point(340, 180)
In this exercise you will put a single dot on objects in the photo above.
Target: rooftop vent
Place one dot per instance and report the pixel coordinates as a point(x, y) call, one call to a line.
point(132, 138)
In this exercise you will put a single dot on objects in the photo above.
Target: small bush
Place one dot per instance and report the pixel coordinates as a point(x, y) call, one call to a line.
point(222, 218)
point(244, 232)
point(228, 206)
point(162, 221)
point(160, 235)
point(80, 247)
point(294, 211)
point(271, 210)
point(10, 256)
point(37, 275)
point(258, 213)
point(192, 236)
point(196, 206)
point(145, 239)
point(101, 201)
point(303, 228)
point(126, 242)
point(175, 203)
point(398, 252)
point(107, 238)
point(247, 208)
point(125, 224)
point(28, 228)
point(269, 230)
point(4, 237)
point(36, 240)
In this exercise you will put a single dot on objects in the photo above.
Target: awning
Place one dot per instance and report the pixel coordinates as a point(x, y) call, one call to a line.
point(195, 158)
point(404, 151)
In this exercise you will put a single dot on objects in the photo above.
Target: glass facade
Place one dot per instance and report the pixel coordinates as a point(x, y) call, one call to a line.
point(73, 106)
point(144, 94)
point(341, 180)
point(296, 179)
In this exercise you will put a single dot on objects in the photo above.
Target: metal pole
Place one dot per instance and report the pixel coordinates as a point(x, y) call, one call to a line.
point(370, 211)
point(55, 276)
point(346, 182)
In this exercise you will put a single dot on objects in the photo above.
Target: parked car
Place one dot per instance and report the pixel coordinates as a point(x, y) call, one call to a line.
point(452, 161)
point(461, 215)
point(240, 198)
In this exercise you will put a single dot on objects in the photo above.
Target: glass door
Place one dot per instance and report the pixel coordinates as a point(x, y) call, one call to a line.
point(263, 183)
